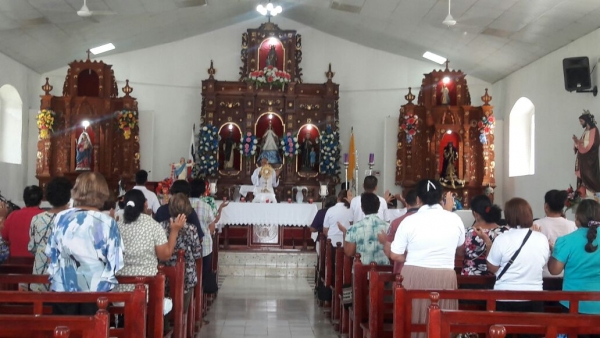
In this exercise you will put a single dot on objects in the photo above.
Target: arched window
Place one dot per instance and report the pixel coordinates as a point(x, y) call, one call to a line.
point(521, 139)
point(11, 125)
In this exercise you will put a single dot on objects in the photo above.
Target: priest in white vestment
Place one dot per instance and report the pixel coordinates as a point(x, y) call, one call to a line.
point(265, 179)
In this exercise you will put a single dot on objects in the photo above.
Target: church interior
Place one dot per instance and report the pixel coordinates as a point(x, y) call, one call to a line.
point(282, 109)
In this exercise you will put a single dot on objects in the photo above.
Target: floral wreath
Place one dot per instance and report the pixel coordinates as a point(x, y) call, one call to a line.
point(289, 145)
point(248, 145)
point(127, 119)
point(410, 126)
point(330, 152)
point(485, 127)
point(208, 146)
point(45, 122)
point(269, 76)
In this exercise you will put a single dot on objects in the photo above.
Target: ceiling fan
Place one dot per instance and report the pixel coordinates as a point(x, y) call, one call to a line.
point(85, 12)
point(449, 20)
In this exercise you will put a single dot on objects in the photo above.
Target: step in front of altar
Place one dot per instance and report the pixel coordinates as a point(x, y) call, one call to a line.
point(292, 264)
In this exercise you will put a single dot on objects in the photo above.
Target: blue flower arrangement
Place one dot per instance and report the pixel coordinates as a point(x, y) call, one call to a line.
point(208, 146)
point(248, 145)
point(330, 152)
point(289, 145)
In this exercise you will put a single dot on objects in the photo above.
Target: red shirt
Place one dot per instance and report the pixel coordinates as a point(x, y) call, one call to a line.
point(392, 233)
point(16, 230)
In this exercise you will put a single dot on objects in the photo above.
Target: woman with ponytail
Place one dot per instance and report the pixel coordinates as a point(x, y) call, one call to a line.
point(578, 255)
point(144, 239)
point(480, 236)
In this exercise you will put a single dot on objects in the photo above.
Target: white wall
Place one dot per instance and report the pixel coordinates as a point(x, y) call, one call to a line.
point(556, 113)
point(167, 80)
point(13, 177)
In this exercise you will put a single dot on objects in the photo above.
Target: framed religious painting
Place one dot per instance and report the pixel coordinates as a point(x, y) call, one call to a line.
point(229, 156)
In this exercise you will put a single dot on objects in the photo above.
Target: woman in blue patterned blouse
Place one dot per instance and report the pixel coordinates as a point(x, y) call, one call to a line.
point(85, 248)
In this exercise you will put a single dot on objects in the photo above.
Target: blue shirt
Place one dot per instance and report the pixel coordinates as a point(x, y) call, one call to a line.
point(85, 251)
point(364, 234)
point(582, 268)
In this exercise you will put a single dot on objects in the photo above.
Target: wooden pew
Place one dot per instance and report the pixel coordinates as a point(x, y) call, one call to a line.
point(156, 294)
point(320, 267)
point(135, 305)
point(194, 314)
point(441, 323)
point(175, 276)
point(32, 325)
point(336, 287)
point(359, 313)
point(19, 265)
point(346, 280)
point(328, 273)
point(403, 298)
point(381, 306)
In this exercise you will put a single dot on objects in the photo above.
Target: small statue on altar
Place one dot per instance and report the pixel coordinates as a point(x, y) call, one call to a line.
point(83, 158)
point(305, 149)
point(445, 94)
point(269, 148)
point(265, 179)
point(180, 170)
point(228, 147)
point(272, 57)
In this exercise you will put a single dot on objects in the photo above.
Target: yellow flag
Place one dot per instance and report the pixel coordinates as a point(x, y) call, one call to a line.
point(352, 156)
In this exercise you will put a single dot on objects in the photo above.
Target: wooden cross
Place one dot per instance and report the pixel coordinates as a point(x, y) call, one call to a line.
point(88, 53)
point(447, 62)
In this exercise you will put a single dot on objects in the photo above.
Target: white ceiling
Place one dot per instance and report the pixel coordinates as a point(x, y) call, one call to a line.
point(492, 39)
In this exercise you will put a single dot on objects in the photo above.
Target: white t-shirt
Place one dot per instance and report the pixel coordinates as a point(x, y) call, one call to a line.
point(392, 214)
point(335, 214)
point(358, 214)
point(525, 273)
point(431, 236)
point(150, 197)
point(554, 227)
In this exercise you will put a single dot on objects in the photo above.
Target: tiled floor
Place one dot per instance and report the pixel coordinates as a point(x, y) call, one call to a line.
point(266, 307)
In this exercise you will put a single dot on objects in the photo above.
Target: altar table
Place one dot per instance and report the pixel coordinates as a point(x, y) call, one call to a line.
point(255, 225)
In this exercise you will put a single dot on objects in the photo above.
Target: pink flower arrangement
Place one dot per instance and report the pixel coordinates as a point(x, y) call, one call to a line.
point(269, 75)
point(248, 145)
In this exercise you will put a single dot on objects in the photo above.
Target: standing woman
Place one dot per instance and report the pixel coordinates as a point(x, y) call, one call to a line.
point(578, 255)
point(144, 239)
point(479, 237)
point(58, 194)
point(527, 250)
point(85, 247)
point(426, 243)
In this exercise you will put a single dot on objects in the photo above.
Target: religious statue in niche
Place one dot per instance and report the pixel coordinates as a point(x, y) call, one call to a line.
point(272, 57)
point(83, 158)
point(587, 164)
point(229, 146)
point(445, 94)
point(179, 171)
point(269, 146)
point(449, 177)
point(307, 149)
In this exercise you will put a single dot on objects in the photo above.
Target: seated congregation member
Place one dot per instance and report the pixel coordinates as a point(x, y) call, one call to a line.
point(362, 236)
point(16, 226)
point(578, 255)
point(527, 250)
point(144, 239)
point(85, 247)
point(58, 194)
point(318, 222)
point(412, 205)
point(338, 214)
point(426, 243)
point(163, 213)
point(554, 225)
point(141, 177)
point(187, 240)
point(369, 186)
point(208, 221)
point(479, 237)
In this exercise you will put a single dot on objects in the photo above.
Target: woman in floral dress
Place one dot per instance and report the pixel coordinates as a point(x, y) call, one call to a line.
point(484, 230)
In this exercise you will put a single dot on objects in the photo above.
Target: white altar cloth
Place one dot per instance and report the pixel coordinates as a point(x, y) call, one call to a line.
point(288, 214)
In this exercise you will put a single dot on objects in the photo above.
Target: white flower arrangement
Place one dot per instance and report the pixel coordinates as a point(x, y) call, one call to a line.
point(330, 152)
point(208, 146)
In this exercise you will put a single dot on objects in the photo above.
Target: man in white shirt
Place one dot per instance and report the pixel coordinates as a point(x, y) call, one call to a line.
point(141, 177)
point(265, 179)
point(369, 185)
point(339, 213)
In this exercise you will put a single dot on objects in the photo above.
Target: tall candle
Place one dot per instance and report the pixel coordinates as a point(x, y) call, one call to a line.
point(371, 158)
point(346, 158)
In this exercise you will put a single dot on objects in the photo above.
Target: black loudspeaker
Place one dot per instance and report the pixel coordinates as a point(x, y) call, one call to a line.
point(577, 73)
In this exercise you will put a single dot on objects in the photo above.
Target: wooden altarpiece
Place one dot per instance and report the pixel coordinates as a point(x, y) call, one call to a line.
point(298, 108)
point(90, 93)
point(441, 120)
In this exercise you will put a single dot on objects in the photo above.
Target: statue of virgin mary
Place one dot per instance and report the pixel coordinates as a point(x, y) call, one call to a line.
point(83, 159)
point(269, 148)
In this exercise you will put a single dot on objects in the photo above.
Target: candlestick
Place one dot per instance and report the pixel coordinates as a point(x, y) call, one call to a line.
point(371, 158)
point(346, 159)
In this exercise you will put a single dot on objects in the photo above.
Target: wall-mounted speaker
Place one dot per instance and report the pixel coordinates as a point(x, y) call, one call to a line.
point(576, 71)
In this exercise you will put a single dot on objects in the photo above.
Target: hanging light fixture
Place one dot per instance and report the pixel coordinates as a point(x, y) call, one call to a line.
point(269, 9)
